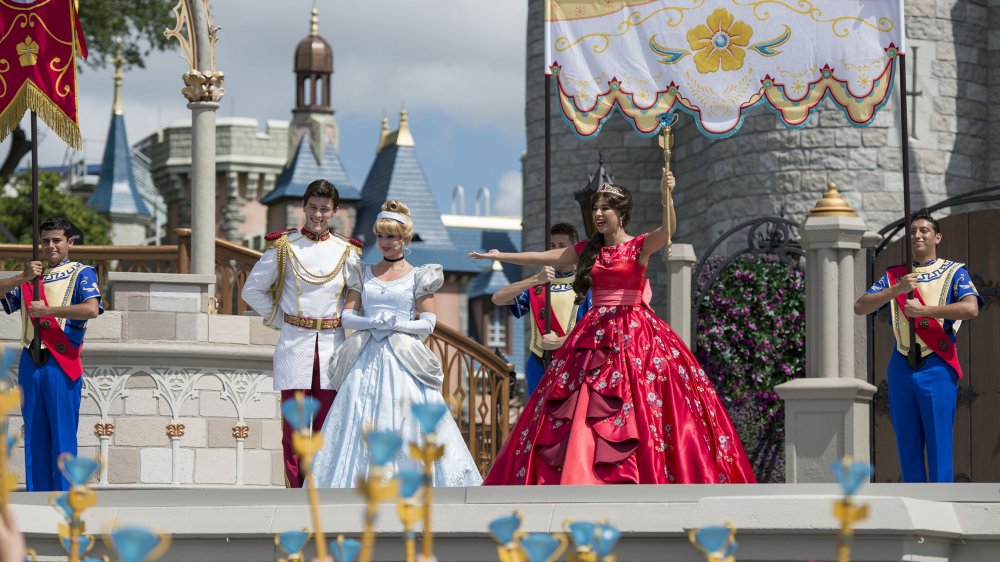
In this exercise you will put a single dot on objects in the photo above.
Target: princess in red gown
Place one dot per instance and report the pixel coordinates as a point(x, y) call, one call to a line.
point(624, 399)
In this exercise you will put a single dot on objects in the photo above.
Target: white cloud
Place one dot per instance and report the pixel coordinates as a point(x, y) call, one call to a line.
point(507, 196)
point(461, 60)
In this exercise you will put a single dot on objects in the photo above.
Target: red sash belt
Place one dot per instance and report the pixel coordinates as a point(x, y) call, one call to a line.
point(618, 297)
point(929, 329)
point(52, 335)
point(536, 296)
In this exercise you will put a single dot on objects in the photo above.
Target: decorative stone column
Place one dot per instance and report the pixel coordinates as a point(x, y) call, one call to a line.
point(679, 267)
point(203, 89)
point(828, 413)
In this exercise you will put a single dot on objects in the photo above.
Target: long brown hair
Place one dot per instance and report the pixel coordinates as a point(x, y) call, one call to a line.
point(619, 199)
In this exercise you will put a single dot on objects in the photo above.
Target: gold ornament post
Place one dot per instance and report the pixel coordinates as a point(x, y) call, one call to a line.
point(717, 543)
point(299, 413)
point(377, 487)
point(851, 476)
point(666, 139)
point(10, 400)
point(410, 512)
point(428, 415)
point(72, 533)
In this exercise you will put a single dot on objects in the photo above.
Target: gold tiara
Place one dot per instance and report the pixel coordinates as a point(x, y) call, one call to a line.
point(608, 188)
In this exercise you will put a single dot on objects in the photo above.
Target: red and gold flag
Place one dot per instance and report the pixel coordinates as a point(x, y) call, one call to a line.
point(39, 43)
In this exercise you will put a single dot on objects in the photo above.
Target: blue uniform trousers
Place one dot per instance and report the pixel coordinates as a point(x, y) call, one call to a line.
point(922, 407)
point(51, 412)
point(533, 372)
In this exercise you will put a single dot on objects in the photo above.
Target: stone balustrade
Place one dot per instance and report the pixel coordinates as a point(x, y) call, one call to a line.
point(173, 395)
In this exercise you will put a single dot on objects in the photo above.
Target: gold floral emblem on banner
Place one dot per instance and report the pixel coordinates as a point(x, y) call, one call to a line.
point(720, 42)
point(27, 52)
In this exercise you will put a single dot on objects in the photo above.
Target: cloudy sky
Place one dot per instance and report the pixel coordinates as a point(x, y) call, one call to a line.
point(458, 65)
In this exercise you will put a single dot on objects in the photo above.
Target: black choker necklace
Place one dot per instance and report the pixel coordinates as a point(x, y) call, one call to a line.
point(400, 258)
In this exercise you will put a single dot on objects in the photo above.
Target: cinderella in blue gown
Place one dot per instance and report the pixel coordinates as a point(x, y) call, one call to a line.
point(378, 374)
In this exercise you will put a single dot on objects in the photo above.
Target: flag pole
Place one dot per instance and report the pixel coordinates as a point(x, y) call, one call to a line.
point(914, 357)
point(547, 355)
point(36, 342)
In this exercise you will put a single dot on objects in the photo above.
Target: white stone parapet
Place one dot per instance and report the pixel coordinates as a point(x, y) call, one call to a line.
point(172, 394)
point(775, 522)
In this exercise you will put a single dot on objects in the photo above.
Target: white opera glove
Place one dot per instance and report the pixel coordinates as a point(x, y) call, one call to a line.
point(422, 326)
point(354, 321)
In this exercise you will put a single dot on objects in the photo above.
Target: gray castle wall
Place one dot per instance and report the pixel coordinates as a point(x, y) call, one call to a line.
point(955, 127)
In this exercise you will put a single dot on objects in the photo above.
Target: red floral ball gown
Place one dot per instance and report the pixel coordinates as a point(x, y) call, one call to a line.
point(624, 400)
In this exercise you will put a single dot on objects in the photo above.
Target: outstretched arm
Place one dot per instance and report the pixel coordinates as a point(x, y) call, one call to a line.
point(657, 238)
point(507, 295)
point(559, 256)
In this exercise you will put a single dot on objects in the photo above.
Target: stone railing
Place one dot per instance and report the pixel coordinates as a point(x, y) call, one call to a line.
point(174, 395)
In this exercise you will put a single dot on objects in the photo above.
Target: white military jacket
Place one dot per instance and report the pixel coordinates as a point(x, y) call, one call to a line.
point(312, 275)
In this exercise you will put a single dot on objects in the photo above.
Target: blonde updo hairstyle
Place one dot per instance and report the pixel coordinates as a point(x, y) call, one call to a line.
point(392, 226)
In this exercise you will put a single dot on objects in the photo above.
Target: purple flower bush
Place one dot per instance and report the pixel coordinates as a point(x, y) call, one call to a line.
point(751, 337)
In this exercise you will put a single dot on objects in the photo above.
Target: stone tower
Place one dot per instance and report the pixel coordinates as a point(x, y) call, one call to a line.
point(313, 115)
point(765, 168)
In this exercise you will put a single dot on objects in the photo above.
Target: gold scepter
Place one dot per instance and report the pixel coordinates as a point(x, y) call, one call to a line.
point(666, 139)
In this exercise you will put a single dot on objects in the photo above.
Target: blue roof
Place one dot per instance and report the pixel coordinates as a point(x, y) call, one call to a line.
point(487, 283)
point(304, 169)
point(396, 174)
point(116, 191)
point(475, 239)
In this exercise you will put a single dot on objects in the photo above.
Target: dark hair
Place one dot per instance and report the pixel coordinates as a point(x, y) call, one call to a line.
point(57, 223)
point(622, 204)
point(566, 229)
point(321, 188)
point(925, 215)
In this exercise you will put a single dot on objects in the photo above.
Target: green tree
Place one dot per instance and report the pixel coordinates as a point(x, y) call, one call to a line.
point(135, 25)
point(15, 210)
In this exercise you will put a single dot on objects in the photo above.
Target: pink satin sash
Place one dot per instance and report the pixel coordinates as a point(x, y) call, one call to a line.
point(618, 297)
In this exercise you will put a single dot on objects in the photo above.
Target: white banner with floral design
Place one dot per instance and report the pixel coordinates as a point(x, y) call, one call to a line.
point(718, 59)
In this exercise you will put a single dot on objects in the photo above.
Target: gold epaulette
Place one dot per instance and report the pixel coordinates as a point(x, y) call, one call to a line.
point(271, 239)
point(356, 245)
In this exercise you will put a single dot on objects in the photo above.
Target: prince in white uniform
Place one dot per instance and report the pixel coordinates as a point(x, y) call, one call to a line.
point(298, 288)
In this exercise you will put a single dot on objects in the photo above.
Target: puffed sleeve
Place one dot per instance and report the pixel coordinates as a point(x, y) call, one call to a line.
point(428, 279)
point(354, 273)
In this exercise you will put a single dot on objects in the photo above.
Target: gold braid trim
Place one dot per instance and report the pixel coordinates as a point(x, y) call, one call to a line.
point(312, 278)
point(281, 254)
point(30, 97)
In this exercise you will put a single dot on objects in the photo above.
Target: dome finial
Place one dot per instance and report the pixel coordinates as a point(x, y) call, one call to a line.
point(832, 204)
point(119, 61)
point(403, 136)
point(314, 21)
point(383, 133)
